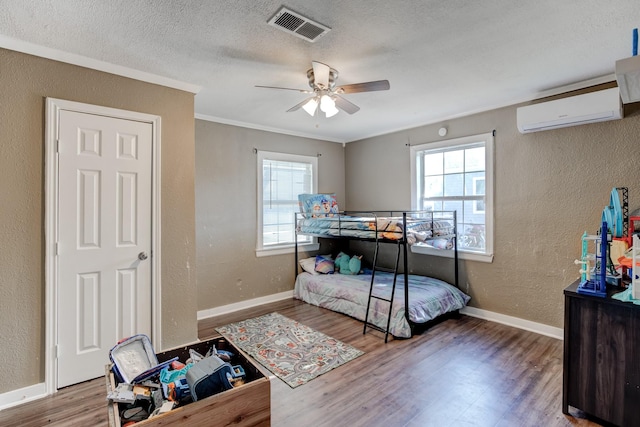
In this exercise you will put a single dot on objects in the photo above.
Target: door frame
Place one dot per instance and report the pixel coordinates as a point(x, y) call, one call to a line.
point(52, 115)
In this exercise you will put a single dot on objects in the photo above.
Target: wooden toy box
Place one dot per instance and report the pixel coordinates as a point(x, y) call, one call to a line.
point(246, 405)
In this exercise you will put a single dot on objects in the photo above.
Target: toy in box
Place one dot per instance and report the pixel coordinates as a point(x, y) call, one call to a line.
point(135, 361)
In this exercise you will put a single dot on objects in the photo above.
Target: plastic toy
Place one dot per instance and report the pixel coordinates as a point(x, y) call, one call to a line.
point(635, 282)
point(586, 259)
point(595, 284)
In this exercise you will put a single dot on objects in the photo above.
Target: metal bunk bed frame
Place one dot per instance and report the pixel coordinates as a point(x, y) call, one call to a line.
point(402, 244)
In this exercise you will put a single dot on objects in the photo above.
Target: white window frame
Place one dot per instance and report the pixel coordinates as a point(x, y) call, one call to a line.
point(488, 139)
point(288, 248)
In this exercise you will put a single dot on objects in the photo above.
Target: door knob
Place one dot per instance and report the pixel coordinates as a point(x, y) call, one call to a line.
point(142, 256)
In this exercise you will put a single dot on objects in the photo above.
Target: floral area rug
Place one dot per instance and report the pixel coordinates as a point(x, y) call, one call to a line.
point(295, 353)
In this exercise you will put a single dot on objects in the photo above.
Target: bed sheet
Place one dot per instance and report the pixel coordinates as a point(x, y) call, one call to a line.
point(429, 297)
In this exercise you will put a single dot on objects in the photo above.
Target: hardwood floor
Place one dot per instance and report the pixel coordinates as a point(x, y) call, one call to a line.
point(461, 372)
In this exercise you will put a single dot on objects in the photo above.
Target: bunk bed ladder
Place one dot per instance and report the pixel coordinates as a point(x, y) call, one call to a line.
point(372, 296)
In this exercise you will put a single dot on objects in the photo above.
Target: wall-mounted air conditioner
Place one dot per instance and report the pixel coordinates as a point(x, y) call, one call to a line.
point(576, 110)
point(628, 77)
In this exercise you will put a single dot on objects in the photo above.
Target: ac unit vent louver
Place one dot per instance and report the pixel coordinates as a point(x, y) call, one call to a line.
point(298, 25)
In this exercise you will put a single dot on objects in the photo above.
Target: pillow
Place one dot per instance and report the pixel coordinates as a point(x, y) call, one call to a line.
point(309, 265)
point(324, 264)
point(318, 204)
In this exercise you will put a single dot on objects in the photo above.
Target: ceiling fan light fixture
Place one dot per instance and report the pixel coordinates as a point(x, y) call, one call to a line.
point(326, 96)
point(328, 106)
point(326, 103)
point(311, 106)
point(331, 112)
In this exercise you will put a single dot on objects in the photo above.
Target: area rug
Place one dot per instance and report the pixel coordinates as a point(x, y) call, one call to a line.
point(293, 352)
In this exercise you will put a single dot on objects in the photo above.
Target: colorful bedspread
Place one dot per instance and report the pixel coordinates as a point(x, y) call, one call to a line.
point(428, 297)
point(391, 228)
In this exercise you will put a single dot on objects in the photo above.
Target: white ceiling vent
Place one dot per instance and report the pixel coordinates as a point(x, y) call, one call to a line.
point(298, 25)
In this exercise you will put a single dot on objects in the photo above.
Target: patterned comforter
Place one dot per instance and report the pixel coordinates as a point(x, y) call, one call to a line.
point(428, 297)
point(391, 228)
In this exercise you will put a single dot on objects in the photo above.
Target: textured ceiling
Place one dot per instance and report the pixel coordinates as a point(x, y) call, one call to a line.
point(443, 59)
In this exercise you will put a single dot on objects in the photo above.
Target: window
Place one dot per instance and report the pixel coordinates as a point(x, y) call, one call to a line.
point(457, 174)
point(281, 177)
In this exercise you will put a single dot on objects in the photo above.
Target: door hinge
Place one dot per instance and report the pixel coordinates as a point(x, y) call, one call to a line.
point(57, 146)
point(57, 248)
point(57, 351)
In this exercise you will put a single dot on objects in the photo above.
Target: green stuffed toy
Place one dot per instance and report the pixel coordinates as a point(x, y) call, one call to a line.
point(347, 265)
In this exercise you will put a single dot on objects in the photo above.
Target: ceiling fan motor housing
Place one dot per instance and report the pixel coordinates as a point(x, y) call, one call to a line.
point(333, 76)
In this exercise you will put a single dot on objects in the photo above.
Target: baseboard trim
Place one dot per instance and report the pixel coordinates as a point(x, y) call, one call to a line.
point(230, 308)
point(491, 316)
point(516, 322)
point(22, 395)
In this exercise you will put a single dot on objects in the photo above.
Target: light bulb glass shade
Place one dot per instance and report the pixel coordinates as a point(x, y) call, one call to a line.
point(311, 106)
point(328, 106)
point(330, 112)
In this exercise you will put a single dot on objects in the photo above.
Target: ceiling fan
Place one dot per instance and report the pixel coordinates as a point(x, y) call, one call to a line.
point(326, 95)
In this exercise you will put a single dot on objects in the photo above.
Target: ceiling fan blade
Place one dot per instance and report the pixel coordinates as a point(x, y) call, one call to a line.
point(364, 87)
point(286, 88)
point(345, 105)
point(321, 73)
point(299, 105)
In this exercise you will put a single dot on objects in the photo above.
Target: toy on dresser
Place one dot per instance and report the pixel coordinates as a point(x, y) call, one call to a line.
point(597, 268)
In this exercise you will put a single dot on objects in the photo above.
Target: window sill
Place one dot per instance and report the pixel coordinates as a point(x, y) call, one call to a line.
point(469, 256)
point(289, 249)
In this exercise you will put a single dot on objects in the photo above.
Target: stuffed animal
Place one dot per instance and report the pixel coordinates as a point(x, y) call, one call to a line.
point(347, 265)
point(338, 260)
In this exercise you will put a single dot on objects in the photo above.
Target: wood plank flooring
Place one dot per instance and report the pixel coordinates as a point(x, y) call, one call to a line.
point(461, 372)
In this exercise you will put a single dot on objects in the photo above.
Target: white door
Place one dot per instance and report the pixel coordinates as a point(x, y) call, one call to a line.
point(104, 239)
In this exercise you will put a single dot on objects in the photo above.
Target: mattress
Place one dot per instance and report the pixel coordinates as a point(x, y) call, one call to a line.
point(369, 227)
point(347, 294)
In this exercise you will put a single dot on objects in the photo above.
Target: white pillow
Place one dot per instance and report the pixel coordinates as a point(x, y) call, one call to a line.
point(309, 265)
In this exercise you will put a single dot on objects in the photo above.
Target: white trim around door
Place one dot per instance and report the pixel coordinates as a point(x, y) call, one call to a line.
point(53, 109)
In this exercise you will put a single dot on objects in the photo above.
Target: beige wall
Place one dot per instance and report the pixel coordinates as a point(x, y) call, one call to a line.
point(25, 81)
point(550, 187)
point(226, 165)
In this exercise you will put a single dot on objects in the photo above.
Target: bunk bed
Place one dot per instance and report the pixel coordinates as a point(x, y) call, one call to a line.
point(390, 300)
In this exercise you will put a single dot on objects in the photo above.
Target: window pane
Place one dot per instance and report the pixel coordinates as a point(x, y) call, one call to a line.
point(453, 205)
point(432, 205)
point(282, 181)
point(304, 239)
point(433, 164)
point(282, 185)
point(474, 212)
point(269, 216)
point(472, 237)
point(453, 185)
point(474, 159)
point(433, 186)
point(270, 234)
point(474, 184)
point(285, 232)
point(454, 161)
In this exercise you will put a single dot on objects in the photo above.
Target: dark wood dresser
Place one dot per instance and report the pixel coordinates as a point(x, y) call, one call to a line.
point(601, 374)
